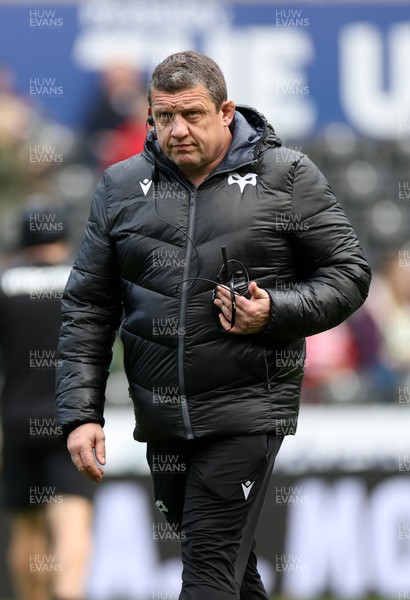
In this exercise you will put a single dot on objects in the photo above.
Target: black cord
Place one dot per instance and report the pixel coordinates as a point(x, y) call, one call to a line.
point(196, 278)
point(219, 282)
point(229, 285)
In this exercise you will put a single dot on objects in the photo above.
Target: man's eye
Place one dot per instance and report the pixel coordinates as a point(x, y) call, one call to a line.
point(165, 117)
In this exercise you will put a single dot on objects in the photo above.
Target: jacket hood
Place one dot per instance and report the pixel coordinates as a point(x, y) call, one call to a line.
point(250, 132)
point(259, 123)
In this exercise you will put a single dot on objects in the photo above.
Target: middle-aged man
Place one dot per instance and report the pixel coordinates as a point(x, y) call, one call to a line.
point(215, 383)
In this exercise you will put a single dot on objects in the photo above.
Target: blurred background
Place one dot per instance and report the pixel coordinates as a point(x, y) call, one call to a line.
point(334, 80)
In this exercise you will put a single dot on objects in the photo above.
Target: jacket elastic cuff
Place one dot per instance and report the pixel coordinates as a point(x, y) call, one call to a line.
point(69, 427)
point(269, 329)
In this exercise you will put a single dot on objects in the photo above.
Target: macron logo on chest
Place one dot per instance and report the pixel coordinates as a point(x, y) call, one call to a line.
point(248, 179)
point(145, 185)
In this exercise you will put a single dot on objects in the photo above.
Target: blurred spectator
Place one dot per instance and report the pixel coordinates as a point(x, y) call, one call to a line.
point(389, 305)
point(116, 127)
point(15, 116)
point(383, 326)
point(32, 145)
point(370, 351)
point(14, 111)
point(331, 357)
point(48, 500)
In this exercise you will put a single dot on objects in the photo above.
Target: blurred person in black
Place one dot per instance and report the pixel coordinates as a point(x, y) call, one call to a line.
point(215, 376)
point(48, 501)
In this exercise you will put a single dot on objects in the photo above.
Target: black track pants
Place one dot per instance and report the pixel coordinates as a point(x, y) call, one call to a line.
point(212, 491)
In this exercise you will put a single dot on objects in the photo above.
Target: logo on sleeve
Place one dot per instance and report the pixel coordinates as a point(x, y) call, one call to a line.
point(249, 178)
point(145, 185)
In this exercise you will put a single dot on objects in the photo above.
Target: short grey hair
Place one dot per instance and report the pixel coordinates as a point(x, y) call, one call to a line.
point(188, 69)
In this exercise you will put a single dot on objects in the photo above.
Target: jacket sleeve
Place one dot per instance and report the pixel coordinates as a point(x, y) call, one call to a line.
point(334, 276)
point(91, 313)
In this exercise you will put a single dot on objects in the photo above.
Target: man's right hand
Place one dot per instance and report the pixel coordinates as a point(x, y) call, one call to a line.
point(81, 442)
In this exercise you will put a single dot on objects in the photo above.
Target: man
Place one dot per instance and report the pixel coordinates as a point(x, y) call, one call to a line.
point(215, 394)
point(42, 493)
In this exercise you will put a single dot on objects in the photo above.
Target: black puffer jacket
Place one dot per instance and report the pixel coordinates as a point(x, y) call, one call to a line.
point(275, 213)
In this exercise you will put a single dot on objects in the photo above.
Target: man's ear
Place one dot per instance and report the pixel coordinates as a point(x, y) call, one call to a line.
point(228, 112)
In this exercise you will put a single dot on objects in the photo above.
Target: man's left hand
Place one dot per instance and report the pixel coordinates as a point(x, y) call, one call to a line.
point(252, 315)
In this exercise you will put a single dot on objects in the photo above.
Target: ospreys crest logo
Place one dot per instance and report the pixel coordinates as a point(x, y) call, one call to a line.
point(249, 178)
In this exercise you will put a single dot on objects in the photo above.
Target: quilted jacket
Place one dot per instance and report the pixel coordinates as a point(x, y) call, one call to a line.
point(148, 265)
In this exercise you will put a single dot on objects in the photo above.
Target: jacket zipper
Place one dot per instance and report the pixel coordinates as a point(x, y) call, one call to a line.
point(183, 302)
point(182, 317)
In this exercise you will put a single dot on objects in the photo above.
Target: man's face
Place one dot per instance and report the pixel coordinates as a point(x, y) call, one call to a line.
point(190, 130)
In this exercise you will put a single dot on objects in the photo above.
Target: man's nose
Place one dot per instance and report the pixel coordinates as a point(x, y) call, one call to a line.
point(179, 126)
